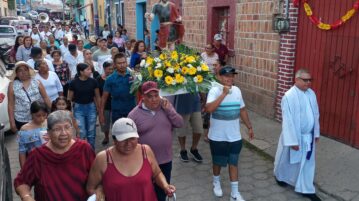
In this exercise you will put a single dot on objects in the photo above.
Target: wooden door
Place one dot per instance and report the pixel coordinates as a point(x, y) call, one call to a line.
point(333, 59)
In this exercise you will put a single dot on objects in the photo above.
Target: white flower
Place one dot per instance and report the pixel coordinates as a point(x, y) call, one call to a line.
point(199, 69)
point(157, 59)
point(189, 65)
point(170, 70)
point(147, 65)
point(159, 65)
point(139, 77)
point(143, 63)
point(195, 79)
point(173, 82)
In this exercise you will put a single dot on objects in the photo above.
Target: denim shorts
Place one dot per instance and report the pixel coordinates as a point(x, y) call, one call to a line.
point(224, 153)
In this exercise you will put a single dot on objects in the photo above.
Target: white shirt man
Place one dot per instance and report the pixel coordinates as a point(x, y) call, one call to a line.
point(101, 55)
point(31, 63)
point(73, 57)
point(59, 34)
point(64, 48)
point(295, 158)
point(45, 34)
point(36, 37)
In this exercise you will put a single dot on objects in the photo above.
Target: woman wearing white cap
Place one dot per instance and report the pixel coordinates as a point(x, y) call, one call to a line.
point(23, 90)
point(127, 169)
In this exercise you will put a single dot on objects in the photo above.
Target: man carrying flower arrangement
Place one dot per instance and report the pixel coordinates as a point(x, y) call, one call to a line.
point(226, 105)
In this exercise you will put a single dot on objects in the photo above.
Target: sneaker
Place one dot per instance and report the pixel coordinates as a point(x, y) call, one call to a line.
point(196, 156)
point(217, 190)
point(184, 156)
point(236, 197)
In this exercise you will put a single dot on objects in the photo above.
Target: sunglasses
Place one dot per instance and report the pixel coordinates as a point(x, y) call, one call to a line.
point(306, 80)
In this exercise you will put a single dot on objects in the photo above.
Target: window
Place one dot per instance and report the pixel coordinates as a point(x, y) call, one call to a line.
point(221, 16)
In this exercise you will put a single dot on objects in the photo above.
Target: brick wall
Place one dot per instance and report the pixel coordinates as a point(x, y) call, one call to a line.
point(256, 47)
point(256, 54)
point(286, 59)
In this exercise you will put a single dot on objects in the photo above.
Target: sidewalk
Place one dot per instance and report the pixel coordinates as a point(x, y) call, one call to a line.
point(337, 164)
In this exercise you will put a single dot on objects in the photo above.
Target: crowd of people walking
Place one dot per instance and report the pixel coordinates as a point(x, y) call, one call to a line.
point(63, 85)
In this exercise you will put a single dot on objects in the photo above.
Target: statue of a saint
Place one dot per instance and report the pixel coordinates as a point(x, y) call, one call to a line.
point(171, 27)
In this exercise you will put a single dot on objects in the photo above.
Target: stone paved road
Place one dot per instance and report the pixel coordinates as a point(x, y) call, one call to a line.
point(193, 181)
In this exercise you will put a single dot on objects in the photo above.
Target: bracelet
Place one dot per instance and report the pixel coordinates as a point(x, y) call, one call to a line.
point(27, 195)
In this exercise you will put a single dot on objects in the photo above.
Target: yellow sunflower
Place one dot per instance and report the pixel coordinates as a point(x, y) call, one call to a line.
point(149, 60)
point(158, 73)
point(199, 78)
point(163, 57)
point(167, 63)
point(190, 59)
point(192, 71)
point(168, 80)
point(174, 55)
point(179, 78)
point(204, 67)
point(185, 70)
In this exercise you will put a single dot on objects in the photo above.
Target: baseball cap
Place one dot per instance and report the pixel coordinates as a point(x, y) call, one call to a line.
point(149, 86)
point(227, 70)
point(123, 129)
point(218, 37)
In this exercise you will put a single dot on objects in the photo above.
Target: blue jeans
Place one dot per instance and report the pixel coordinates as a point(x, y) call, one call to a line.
point(166, 169)
point(85, 114)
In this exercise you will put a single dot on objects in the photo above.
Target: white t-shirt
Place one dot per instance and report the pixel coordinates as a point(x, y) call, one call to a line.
point(31, 63)
point(73, 61)
point(52, 85)
point(64, 49)
point(59, 34)
point(105, 33)
point(36, 39)
point(45, 36)
point(225, 119)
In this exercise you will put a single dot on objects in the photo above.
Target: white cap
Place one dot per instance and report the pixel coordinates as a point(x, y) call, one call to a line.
point(124, 128)
point(218, 37)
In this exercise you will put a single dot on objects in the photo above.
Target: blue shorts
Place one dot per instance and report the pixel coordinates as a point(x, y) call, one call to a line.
point(224, 153)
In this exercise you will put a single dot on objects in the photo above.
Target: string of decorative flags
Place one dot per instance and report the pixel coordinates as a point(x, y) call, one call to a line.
point(324, 26)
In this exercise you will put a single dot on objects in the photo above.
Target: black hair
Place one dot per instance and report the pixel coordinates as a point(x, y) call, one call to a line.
point(38, 106)
point(60, 98)
point(35, 51)
point(110, 36)
point(81, 67)
point(121, 49)
point(55, 52)
point(106, 64)
point(119, 56)
point(72, 47)
point(16, 46)
point(137, 44)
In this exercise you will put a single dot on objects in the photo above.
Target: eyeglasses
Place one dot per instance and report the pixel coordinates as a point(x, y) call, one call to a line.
point(58, 130)
point(306, 80)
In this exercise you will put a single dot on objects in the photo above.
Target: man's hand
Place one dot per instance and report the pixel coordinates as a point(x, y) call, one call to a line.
point(251, 134)
point(226, 90)
point(296, 147)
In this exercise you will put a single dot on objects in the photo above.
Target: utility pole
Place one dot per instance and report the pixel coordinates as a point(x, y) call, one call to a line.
point(96, 20)
point(63, 10)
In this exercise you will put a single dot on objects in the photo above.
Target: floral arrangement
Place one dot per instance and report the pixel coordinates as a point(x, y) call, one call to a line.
point(174, 71)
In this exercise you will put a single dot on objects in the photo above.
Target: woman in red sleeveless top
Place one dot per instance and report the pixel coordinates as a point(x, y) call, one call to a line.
point(127, 170)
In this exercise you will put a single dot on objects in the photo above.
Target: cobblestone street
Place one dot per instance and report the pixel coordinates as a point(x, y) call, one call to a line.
point(194, 181)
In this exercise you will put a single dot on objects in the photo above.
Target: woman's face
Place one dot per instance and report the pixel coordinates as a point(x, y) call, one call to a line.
point(80, 44)
point(51, 39)
point(43, 45)
point(21, 41)
point(23, 73)
point(56, 57)
point(108, 71)
point(39, 117)
point(209, 49)
point(117, 34)
point(61, 134)
point(43, 68)
point(88, 55)
point(87, 72)
point(27, 42)
point(141, 47)
point(126, 146)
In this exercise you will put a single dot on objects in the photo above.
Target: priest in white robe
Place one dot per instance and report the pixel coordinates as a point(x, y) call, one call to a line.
point(295, 158)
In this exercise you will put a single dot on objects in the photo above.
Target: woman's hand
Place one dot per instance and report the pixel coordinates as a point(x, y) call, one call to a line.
point(100, 195)
point(169, 190)
point(13, 127)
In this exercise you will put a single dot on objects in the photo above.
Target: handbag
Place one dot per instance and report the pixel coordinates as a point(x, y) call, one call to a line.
point(171, 198)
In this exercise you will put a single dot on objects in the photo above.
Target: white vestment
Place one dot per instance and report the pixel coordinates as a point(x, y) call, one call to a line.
point(300, 122)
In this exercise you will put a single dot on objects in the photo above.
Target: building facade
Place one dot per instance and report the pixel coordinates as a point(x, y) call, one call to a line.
point(266, 60)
